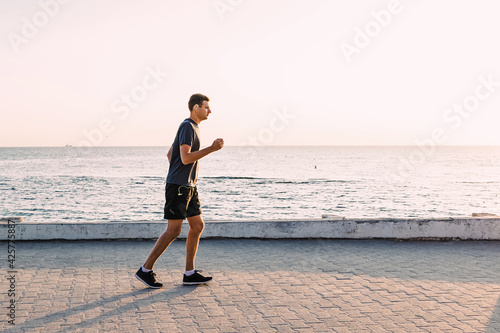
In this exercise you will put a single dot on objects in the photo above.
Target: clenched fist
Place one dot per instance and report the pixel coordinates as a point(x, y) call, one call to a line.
point(218, 144)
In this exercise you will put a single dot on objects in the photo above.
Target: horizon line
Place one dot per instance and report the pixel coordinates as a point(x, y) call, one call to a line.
point(260, 146)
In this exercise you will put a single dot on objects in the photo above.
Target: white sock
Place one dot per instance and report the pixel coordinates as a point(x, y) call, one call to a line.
point(189, 273)
point(145, 270)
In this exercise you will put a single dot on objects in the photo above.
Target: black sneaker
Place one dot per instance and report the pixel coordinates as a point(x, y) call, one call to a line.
point(149, 279)
point(195, 279)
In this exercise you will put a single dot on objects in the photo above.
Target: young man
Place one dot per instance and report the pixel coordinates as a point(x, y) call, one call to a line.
point(181, 194)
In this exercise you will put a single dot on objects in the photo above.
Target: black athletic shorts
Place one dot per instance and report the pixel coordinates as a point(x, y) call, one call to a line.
point(181, 202)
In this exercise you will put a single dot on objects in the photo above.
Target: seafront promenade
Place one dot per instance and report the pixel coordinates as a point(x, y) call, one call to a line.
point(279, 285)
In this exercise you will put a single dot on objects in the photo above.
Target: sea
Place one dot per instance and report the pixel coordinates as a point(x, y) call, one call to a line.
point(122, 184)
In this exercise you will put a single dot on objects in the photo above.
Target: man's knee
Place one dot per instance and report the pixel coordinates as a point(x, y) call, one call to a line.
point(174, 229)
point(175, 232)
point(197, 225)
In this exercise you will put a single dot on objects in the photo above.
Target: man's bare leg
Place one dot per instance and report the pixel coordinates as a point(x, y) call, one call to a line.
point(192, 277)
point(173, 230)
point(196, 226)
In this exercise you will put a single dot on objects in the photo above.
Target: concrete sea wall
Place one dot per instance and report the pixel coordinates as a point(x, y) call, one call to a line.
point(477, 227)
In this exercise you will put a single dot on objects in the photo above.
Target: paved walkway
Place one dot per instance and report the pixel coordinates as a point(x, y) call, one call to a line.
point(259, 286)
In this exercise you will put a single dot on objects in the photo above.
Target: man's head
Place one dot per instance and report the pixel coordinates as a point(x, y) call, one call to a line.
point(199, 108)
point(197, 99)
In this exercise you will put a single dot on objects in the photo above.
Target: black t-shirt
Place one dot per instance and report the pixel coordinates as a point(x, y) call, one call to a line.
point(178, 173)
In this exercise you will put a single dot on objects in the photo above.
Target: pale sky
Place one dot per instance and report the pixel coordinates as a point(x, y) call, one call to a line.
point(120, 73)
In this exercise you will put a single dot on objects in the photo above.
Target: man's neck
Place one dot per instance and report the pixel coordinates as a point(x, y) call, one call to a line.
point(195, 119)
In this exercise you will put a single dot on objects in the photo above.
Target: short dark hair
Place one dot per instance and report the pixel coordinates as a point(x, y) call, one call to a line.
point(197, 99)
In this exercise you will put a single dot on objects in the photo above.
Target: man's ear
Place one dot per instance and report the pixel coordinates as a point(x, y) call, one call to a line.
point(196, 107)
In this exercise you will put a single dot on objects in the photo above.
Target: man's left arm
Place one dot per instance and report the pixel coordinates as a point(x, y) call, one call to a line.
point(169, 154)
point(188, 157)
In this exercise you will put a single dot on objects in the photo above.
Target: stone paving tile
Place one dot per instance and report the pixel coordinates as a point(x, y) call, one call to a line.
point(260, 286)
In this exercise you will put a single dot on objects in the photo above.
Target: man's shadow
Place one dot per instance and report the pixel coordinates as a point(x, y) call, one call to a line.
point(494, 323)
point(155, 296)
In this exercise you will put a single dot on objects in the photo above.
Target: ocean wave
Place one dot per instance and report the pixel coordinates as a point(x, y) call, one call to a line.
point(232, 177)
point(488, 182)
point(281, 180)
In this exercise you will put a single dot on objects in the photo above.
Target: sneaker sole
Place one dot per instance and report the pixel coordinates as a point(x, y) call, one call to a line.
point(152, 287)
point(195, 283)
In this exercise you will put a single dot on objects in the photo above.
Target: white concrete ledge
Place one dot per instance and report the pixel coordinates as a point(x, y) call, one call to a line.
point(464, 228)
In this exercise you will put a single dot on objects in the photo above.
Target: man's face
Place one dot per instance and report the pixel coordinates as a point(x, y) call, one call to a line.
point(203, 111)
